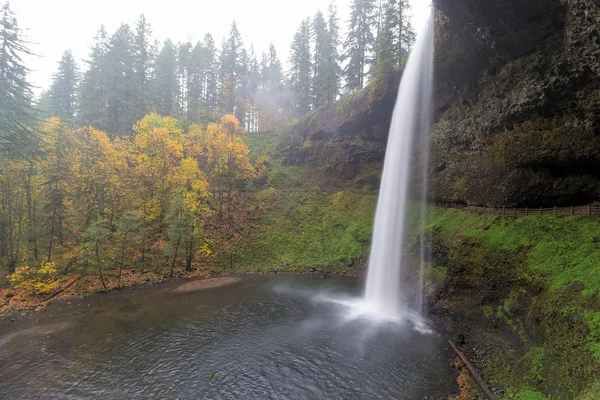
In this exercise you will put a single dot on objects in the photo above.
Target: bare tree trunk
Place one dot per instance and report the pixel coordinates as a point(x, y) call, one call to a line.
point(121, 263)
point(175, 256)
point(100, 265)
point(189, 255)
point(51, 236)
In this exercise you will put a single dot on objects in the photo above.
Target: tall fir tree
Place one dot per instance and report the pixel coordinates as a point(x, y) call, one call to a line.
point(183, 71)
point(301, 69)
point(121, 99)
point(16, 108)
point(143, 61)
point(211, 87)
point(166, 85)
point(230, 69)
point(93, 90)
point(320, 62)
point(63, 92)
point(395, 35)
point(332, 58)
point(360, 43)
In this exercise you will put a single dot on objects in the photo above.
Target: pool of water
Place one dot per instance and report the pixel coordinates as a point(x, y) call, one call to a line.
point(265, 337)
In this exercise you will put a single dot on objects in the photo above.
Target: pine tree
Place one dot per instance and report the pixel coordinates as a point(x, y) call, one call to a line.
point(320, 62)
point(196, 78)
point(183, 70)
point(332, 58)
point(63, 92)
point(301, 69)
point(254, 85)
point(166, 85)
point(211, 89)
point(395, 35)
point(143, 59)
point(230, 69)
point(93, 91)
point(121, 99)
point(360, 43)
point(16, 109)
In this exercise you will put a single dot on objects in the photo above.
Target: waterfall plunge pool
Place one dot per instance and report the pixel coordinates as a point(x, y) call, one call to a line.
point(265, 337)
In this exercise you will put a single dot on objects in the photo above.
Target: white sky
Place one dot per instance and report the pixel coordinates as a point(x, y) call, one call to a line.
point(57, 25)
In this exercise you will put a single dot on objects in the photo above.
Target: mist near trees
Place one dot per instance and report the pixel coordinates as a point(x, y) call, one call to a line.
point(124, 156)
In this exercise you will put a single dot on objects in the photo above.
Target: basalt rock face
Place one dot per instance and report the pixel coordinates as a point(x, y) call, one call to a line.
point(517, 108)
point(346, 141)
point(518, 101)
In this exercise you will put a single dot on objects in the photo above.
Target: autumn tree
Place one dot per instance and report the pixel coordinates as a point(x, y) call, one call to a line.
point(127, 226)
point(55, 168)
point(97, 234)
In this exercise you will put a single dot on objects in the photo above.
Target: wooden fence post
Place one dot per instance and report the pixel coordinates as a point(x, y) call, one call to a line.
point(503, 210)
point(515, 211)
point(554, 209)
point(541, 211)
point(526, 211)
point(590, 210)
point(572, 211)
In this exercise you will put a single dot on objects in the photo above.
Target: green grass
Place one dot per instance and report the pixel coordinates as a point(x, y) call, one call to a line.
point(551, 267)
point(302, 229)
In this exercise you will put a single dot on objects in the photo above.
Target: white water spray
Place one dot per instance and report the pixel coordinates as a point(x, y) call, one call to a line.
point(409, 128)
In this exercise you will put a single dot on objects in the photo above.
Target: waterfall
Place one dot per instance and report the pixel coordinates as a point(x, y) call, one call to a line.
point(409, 129)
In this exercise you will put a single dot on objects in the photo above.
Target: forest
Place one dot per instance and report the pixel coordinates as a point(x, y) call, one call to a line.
point(122, 162)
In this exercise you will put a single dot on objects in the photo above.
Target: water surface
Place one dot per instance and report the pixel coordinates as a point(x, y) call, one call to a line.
point(262, 338)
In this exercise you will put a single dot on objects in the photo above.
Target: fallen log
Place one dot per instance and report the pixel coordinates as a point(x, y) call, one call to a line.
point(59, 291)
point(489, 394)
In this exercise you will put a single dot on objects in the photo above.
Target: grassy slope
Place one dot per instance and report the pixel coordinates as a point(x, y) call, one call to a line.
point(296, 230)
point(551, 265)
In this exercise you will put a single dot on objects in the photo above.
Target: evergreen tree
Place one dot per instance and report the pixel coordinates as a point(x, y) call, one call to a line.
point(320, 62)
point(16, 110)
point(230, 69)
point(93, 91)
point(196, 78)
point(211, 89)
point(395, 34)
point(333, 71)
point(63, 92)
point(301, 67)
point(143, 58)
point(183, 70)
point(254, 85)
point(121, 98)
point(360, 43)
point(166, 85)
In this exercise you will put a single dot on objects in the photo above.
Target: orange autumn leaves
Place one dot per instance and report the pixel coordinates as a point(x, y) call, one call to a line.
point(88, 176)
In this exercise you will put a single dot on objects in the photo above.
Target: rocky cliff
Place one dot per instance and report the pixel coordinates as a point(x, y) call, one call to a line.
point(517, 108)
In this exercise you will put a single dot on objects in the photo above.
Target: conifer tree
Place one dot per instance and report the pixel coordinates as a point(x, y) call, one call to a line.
point(16, 109)
point(360, 43)
point(332, 58)
point(63, 92)
point(93, 91)
point(301, 69)
point(143, 60)
point(121, 99)
point(212, 73)
point(320, 62)
point(166, 84)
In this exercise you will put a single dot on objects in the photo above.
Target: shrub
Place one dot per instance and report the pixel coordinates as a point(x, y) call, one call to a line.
point(35, 280)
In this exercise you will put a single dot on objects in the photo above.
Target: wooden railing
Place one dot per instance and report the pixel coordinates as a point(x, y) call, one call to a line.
point(581, 211)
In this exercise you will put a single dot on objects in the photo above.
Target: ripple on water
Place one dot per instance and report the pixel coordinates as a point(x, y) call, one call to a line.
point(261, 343)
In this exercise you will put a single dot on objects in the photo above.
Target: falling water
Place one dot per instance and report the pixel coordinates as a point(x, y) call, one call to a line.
point(409, 129)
